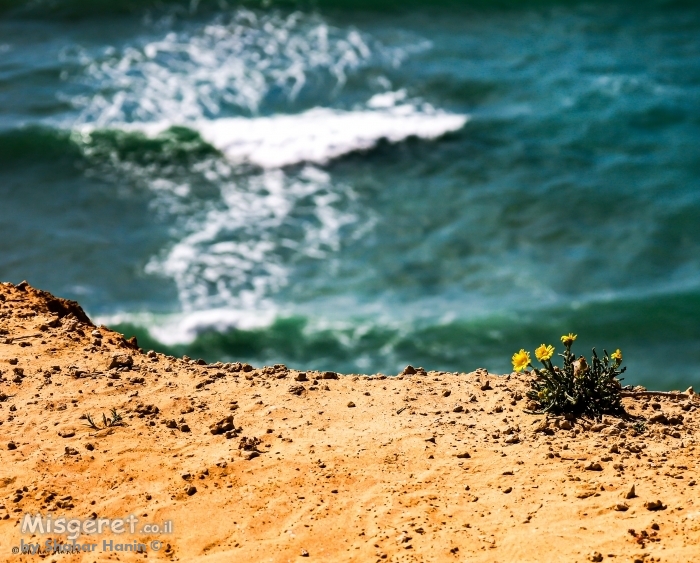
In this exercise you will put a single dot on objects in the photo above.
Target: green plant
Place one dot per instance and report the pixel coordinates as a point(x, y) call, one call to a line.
point(577, 388)
point(90, 422)
point(640, 426)
point(115, 419)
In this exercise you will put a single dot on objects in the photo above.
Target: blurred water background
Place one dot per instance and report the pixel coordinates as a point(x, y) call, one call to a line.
point(360, 185)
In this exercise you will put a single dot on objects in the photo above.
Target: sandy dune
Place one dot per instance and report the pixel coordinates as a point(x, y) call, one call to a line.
point(422, 467)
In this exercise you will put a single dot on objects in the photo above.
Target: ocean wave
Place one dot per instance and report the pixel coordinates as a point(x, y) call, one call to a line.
point(370, 344)
point(315, 136)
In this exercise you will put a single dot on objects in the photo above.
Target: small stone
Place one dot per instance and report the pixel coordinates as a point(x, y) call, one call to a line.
point(458, 408)
point(89, 447)
point(655, 505)
point(120, 361)
point(304, 553)
point(297, 389)
point(11, 446)
point(408, 370)
point(596, 557)
point(621, 507)
point(594, 466)
point(631, 493)
point(185, 428)
point(172, 423)
point(660, 418)
point(330, 375)
point(351, 404)
point(190, 490)
point(565, 425)
point(301, 376)
point(446, 393)
point(152, 354)
point(508, 490)
point(66, 433)
point(486, 386)
point(71, 451)
point(223, 426)
point(464, 455)
point(96, 334)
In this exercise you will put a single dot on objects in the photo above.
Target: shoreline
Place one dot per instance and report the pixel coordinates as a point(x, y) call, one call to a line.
point(264, 463)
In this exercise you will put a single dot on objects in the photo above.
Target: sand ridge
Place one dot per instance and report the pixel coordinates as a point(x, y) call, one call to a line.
point(274, 464)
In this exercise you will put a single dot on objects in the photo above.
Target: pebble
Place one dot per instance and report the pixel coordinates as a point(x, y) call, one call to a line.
point(120, 361)
point(223, 426)
point(190, 490)
point(11, 446)
point(351, 404)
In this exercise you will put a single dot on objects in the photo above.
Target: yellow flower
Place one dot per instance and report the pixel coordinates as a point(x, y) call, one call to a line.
point(617, 356)
point(568, 339)
point(542, 395)
point(544, 352)
point(521, 360)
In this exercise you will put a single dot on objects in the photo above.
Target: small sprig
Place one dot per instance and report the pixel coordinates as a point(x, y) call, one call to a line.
point(115, 419)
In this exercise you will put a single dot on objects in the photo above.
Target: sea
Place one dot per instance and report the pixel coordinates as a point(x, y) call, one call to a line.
point(360, 185)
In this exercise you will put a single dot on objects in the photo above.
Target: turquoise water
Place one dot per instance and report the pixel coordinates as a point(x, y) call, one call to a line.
point(355, 186)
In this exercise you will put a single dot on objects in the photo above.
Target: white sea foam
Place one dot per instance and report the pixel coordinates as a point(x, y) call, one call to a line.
point(245, 82)
point(234, 65)
point(315, 136)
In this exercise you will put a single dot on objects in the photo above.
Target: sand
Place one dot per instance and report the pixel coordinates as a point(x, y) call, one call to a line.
point(429, 466)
